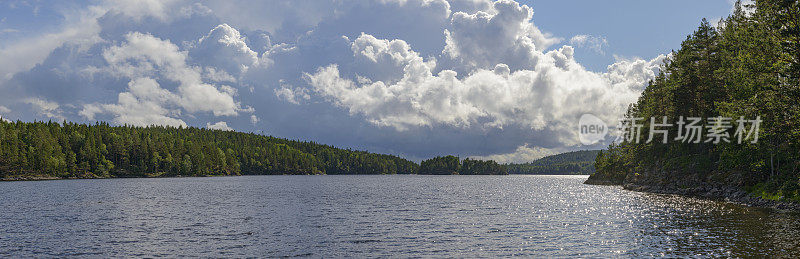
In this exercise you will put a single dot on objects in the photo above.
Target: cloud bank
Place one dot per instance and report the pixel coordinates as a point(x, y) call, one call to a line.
point(473, 78)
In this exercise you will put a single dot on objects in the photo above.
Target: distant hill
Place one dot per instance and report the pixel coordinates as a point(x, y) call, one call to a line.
point(576, 162)
point(46, 150)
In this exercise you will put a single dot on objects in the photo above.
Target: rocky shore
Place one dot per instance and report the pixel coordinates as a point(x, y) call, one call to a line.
point(725, 193)
point(729, 194)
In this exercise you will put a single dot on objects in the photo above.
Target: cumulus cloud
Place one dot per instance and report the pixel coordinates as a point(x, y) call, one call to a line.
point(46, 108)
point(470, 77)
point(634, 73)
point(143, 55)
point(225, 47)
point(219, 126)
point(80, 29)
point(292, 94)
point(217, 75)
point(594, 43)
point(502, 34)
point(553, 94)
point(142, 105)
point(381, 59)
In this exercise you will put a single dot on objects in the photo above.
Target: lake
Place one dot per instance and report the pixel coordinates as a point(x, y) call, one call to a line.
point(380, 215)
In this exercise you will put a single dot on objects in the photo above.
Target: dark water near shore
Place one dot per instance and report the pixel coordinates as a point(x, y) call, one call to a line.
point(332, 216)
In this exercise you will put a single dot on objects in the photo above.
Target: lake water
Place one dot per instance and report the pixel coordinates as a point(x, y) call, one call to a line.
point(381, 215)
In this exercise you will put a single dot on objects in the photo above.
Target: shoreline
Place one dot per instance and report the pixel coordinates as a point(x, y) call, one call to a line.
point(53, 178)
point(721, 193)
point(727, 194)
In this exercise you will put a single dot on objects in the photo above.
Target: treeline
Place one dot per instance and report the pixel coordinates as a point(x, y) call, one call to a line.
point(570, 163)
point(444, 165)
point(70, 150)
point(747, 66)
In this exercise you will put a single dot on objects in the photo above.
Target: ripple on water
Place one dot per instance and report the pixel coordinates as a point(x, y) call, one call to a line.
point(390, 215)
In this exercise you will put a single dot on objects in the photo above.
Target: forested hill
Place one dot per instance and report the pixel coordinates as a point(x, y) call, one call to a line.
point(747, 66)
point(69, 150)
point(576, 162)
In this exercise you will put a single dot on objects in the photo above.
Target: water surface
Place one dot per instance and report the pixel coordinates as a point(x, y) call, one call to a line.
point(382, 215)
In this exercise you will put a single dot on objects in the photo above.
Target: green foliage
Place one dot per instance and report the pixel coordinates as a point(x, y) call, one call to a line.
point(473, 167)
point(747, 66)
point(444, 165)
point(71, 150)
point(576, 162)
point(440, 165)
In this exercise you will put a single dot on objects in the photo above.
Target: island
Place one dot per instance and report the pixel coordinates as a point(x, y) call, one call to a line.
point(444, 165)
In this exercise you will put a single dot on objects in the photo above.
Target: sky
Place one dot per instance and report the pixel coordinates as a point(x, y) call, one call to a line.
point(501, 80)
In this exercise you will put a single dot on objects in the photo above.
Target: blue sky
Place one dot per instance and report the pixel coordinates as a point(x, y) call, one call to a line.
point(632, 28)
point(416, 78)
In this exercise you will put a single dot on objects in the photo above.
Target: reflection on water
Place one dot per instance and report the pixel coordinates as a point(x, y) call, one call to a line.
point(376, 215)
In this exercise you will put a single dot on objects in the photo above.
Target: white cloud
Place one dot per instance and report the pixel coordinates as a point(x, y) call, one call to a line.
point(384, 60)
point(634, 73)
point(502, 34)
point(470, 72)
point(142, 58)
point(143, 55)
point(46, 108)
point(4, 110)
point(163, 10)
point(380, 51)
point(79, 28)
point(143, 105)
point(219, 126)
point(90, 110)
point(225, 47)
point(594, 43)
point(292, 95)
point(470, 6)
point(217, 75)
point(524, 154)
point(552, 95)
point(270, 15)
point(140, 9)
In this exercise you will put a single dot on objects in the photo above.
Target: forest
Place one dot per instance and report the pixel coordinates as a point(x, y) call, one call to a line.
point(30, 150)
point(447, 165)
point(748, 65)
point(570, 163)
